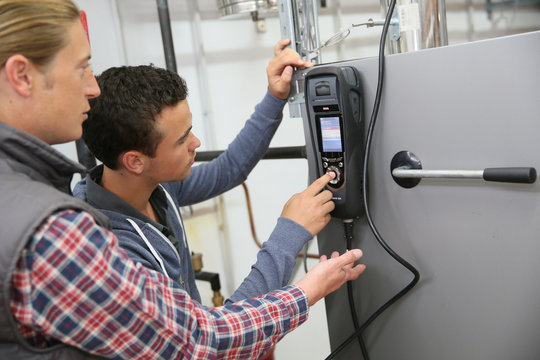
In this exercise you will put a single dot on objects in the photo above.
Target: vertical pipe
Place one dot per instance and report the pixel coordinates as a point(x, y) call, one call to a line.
point(338, 26)
point(202, 74)
point(119, 26)
point(315, 18)
point(210, 139)
point(84, 155)
point(422, 25)
point(166, 34)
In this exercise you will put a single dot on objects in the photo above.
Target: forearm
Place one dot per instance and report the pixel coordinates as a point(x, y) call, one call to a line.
point(243, 330)
point(233, 166)
point(265, 333)
point(254, 139)
point(275, 260)
point(86, 293)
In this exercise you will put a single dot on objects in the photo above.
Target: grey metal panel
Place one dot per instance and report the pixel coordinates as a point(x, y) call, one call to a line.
point(476, 244)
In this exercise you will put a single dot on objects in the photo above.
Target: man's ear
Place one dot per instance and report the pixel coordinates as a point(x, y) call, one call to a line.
point(19, 73)
point(133, 161)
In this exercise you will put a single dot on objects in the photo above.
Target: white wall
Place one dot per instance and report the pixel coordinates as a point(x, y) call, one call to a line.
point(235, 55)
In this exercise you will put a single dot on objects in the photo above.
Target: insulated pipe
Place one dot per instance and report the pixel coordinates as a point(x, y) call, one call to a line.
point(290, 152)
point(84, 155)
point(166, 34)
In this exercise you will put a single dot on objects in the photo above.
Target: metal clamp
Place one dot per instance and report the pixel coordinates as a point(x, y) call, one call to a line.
point(407, 172)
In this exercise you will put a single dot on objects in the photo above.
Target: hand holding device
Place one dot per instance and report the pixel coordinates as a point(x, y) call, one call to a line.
point(311, 208)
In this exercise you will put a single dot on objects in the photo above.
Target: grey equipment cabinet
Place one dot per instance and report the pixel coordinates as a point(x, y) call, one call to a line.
point(475, 243)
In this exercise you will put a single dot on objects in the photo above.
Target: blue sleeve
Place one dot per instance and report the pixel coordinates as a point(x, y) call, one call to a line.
point(79, 191)
point(233, 166)
point(275, 261)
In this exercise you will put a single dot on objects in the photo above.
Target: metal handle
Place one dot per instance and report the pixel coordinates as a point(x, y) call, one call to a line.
point(524, 175)
point(407, 171)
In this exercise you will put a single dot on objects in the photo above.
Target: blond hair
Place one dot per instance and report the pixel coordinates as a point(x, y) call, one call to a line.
point(36, 29)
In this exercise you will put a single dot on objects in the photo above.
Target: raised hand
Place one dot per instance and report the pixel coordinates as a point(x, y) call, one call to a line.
point(280, 69)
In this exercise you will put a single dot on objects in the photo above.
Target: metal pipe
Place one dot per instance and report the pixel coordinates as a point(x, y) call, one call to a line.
point(290, 152)
point(84, 155)
point(213, 279)
point(491, 5)
point(202, 74)
point(166, 34)
point(525, 175)
point(422, 25)
point(418, 174)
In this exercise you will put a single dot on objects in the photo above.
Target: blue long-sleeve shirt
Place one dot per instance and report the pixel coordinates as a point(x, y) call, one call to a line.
point(163, 247)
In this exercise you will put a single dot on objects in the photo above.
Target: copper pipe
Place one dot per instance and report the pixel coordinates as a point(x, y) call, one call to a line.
point(252, 225)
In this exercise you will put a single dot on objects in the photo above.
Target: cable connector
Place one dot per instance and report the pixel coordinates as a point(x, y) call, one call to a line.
point(349, 233)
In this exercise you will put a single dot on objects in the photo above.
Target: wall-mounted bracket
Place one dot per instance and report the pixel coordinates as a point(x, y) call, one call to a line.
point(405, 160)
point(393, 29)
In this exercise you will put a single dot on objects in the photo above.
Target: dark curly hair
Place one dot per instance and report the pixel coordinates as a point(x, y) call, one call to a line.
point(123, 117)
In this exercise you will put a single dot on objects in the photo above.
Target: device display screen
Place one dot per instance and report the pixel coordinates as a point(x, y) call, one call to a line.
point(331, 134)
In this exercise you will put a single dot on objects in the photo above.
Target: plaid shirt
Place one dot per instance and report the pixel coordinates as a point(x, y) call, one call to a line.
point(74, 285)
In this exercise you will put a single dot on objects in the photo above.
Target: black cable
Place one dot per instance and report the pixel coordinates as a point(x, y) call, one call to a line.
point(349, 235)
point(378, 236)
point(304, 257)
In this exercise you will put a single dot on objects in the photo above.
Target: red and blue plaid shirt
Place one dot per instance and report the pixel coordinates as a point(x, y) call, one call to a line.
point(73, 284)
